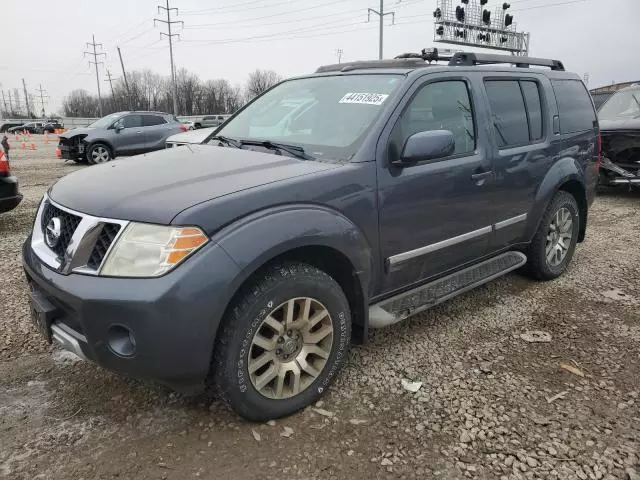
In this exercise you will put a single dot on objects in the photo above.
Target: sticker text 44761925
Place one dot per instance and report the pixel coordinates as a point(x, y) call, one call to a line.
point(364, 98)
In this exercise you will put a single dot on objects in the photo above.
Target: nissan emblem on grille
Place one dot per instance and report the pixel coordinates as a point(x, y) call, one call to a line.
point(53, 232)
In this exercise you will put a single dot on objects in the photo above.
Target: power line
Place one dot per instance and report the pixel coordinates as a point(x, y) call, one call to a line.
point(381, 13)
point(95, 55)
point(549, 5)
point(170, 36)
point(225, 9)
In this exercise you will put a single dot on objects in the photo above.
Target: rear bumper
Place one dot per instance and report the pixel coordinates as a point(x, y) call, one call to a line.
point(9, 203)
point(171, 320)
point(10, 197)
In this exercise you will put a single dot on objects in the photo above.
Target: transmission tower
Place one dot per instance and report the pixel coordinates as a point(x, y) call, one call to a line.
point(95, 54)
point(42, 92)
point(170, 36)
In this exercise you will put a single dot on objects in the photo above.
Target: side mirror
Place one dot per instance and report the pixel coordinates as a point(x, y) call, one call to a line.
point(119, 127)
point(429, 145)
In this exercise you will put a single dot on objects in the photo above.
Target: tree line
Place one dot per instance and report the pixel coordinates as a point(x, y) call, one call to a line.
point(147, 90)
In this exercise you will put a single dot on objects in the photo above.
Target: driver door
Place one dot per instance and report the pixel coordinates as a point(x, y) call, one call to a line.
point(436, 215)
point(130, 138)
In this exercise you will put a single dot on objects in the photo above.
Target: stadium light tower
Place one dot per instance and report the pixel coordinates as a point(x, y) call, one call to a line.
point(472, 23)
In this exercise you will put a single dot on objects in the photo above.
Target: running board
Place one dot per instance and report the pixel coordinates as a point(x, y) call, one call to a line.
point(403, 305)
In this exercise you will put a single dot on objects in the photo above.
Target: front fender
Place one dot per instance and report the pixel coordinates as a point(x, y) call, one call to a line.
point(262, 236)
point(564, 170)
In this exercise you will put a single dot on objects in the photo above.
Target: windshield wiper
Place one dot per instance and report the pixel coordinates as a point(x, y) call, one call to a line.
point(229, 141)
point(294, 150)
point(636, 99)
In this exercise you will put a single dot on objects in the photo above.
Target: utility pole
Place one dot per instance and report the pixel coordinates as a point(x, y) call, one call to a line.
point(10, 103)
point(110, 80)
point(126, 83)
point(381, 13)
point(26, 97)
point(16, 97)
point(170, 36)
point(4, 101)
point(95, 55)
point(339, 55)
point(42, 97)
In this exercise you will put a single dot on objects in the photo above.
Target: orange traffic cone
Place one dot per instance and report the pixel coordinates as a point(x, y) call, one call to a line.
point(17, 137)
point(33, 146)
point(23, 145)
point(58, 153)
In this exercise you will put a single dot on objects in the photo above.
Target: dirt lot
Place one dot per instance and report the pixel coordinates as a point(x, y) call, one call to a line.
point(491, 405)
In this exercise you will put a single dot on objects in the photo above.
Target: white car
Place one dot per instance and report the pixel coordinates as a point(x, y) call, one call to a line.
point(191, 137)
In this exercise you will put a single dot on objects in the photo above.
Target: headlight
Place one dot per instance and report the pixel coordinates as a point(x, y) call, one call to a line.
point(145, 250)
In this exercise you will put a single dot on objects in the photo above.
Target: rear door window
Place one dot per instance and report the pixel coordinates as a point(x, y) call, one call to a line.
point(574, 106)
point(534, 108)
point(508, 113)
point(152, 120)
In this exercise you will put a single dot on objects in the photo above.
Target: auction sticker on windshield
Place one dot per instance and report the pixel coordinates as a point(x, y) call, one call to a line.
point(364, 98)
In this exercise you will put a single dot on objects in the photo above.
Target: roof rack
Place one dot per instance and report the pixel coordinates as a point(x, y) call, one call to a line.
point(468, 59)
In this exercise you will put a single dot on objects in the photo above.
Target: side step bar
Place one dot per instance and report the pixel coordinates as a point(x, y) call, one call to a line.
point(392, 310)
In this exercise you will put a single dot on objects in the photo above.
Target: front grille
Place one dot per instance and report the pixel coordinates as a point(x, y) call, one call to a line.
point(106, 238)
point(68, 223)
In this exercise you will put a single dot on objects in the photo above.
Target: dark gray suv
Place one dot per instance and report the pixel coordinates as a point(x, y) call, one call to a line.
point(122, 133)
point(333, 203)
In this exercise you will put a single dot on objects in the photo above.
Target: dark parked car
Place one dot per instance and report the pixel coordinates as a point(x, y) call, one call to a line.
point(123, 133)
point(5, 126)
point(31, 127)
point(52, 125)
point(253, 261)
point(10, 196)
point(620, 129)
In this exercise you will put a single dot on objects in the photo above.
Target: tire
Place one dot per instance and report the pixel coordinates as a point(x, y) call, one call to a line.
point(269, 294)
point(549, 254)
point(197, 126)
point(98, 153)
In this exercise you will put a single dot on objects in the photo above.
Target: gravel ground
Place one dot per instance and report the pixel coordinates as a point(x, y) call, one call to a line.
point(491, 405)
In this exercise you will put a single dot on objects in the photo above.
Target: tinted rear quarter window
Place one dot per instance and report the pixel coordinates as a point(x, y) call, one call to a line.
point(574, 106)
point(508, 112)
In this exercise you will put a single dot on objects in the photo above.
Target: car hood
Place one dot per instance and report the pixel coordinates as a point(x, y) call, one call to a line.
point(77, 131)
point(620, 124)
point(192, 136)
point(156, 187)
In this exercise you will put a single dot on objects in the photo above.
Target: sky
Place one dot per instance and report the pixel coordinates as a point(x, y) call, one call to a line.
point(230, 38)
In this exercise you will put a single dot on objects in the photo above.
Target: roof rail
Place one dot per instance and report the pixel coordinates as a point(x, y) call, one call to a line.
point(468, 59)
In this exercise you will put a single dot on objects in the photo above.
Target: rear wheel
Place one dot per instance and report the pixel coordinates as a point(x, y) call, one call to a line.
point(282, 342)
point(98, 153)
point(555, 241)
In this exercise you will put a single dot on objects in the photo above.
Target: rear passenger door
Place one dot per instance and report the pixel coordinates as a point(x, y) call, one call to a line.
point(521, 149)
point(155, 131)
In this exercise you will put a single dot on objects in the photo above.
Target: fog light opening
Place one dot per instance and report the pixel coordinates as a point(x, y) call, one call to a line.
point(121, 341)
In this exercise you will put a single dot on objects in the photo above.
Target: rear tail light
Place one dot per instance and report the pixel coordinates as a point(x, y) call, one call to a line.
point(58, 153)
point(5, 170)
point(183, 128)
point(599, 163)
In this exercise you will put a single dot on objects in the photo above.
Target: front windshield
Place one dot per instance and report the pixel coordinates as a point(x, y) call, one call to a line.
point(625, 104)
point(328, 116)
point(106, 122)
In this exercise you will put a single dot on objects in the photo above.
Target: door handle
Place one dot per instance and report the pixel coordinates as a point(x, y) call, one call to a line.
point(481, 175)
point(139, 131)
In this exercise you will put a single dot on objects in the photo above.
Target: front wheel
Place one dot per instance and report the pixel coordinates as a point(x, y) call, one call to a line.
point(98, 153)
point(555, 241)
point(282, 342)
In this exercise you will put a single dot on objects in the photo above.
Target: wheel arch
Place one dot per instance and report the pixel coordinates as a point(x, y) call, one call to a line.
point(565, 175)
point(308, 234)
point(106, 143)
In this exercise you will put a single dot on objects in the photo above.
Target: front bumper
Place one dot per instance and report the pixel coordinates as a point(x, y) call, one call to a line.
point(9, 203)
point(173, 318)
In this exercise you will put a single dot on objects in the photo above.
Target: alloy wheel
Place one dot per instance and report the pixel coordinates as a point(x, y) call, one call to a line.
point(559, 237)
point(290, 348)
point(100, 154)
